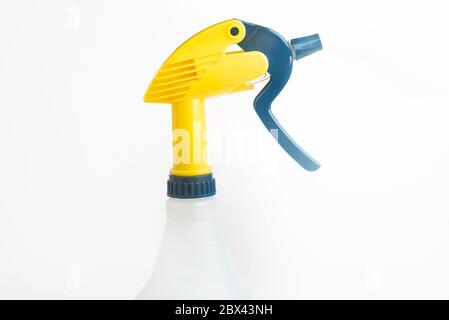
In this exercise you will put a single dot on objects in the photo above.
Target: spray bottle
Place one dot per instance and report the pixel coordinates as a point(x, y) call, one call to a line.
point(200, 68)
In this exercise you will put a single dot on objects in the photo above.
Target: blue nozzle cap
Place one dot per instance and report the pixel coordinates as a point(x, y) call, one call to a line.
point(304, 46)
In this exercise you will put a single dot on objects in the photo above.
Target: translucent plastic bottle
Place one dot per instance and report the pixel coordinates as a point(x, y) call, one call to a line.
point(192, 262)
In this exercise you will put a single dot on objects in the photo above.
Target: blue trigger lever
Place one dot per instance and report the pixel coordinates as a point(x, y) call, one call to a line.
point(280, 55)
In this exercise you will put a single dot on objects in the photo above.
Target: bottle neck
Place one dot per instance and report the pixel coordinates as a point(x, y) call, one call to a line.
point(190, 176)
point(189, 139)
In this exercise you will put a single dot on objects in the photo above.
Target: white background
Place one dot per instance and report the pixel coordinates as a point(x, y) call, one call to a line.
point(83, 161)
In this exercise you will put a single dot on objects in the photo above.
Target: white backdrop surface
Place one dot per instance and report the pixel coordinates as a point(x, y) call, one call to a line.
point(83, 161)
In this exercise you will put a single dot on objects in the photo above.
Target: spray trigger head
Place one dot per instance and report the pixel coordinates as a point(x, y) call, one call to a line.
point(203, 67)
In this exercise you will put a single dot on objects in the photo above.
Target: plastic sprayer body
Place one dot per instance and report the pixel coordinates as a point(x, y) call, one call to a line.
point(198, 69)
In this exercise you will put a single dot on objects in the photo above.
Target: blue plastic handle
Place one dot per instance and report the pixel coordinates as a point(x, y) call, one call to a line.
point(281, 55)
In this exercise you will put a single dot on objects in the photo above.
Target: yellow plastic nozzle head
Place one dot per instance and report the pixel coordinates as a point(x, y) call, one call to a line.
point(201, 67)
